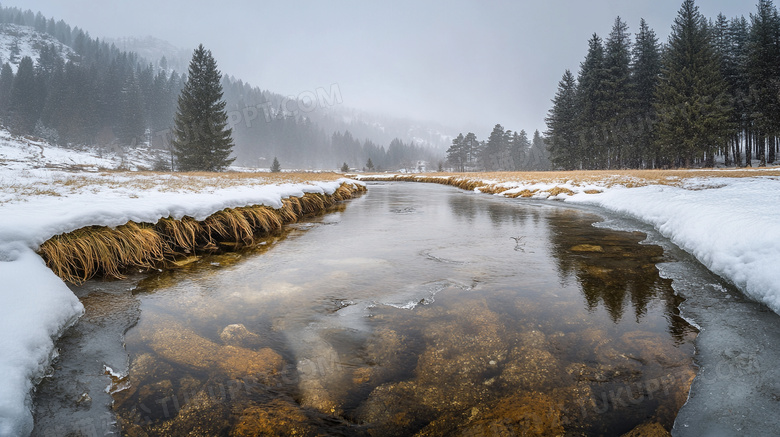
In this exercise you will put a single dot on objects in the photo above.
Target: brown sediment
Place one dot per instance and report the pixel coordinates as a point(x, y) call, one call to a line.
point(110, 252)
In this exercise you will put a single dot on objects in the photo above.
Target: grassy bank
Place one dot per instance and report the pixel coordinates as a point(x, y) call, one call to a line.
point(110, 252)
point(551, 184)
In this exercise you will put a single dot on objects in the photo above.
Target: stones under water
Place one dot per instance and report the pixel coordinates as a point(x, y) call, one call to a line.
point(464, 314)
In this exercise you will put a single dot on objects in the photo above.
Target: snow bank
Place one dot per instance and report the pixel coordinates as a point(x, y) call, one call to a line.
point(732, 226)
point(36, 307)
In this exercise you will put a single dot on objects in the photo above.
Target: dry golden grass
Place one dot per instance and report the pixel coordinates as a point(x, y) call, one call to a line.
point(102, 251)
point(83, 182)
point(607, 178)
point(523, 193)
point(495, 182)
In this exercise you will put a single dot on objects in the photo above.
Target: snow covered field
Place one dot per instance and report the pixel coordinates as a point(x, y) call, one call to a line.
point(45, 191)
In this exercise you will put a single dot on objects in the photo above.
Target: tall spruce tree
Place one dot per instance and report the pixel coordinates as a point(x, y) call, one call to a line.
point(202, 140)
point(6, 82)
point(472, 149)
point(561, 121)
point(646, 66)
point(763, 64)
point(23, 101)
point(693, 107)
point(457, 154)
point(618, 96)
point(591, 120)
point(495, 153)
point(740, 86)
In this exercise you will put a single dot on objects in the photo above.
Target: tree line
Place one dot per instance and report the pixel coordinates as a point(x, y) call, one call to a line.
point(99, 95)
point(710, 94)
point(504, 150)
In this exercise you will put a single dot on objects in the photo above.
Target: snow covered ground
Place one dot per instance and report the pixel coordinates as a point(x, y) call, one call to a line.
point(45, 191)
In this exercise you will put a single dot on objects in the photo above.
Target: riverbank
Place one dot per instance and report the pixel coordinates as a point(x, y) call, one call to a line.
point(125, 219)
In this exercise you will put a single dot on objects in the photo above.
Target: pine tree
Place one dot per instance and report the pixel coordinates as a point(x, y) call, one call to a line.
point(591, 122)
point(457, 154)
point(539, 158)
point(370, 165)
point(344, 167)
point(646, 66)
point(520, 145)
point(23, 101)
point(6, 82)
point(562, 126)
point(693, 107)
point(494, 153)
point(472, 150)
point(202, 141)
point(618, 96)
point(275, 166)
point(740, 87)
point(763, 64)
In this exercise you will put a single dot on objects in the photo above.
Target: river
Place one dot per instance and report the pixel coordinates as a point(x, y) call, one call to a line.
point(414, 309)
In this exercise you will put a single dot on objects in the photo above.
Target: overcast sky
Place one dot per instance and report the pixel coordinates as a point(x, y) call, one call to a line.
point(468, 64)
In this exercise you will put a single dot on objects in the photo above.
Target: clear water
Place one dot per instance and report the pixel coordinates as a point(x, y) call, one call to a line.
point(414, 309)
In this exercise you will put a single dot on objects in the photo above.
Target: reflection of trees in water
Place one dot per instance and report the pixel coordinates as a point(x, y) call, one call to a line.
point(470, 207)
point(612, 268)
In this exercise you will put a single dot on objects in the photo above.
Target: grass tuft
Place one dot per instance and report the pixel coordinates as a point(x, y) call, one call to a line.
point(109, 252)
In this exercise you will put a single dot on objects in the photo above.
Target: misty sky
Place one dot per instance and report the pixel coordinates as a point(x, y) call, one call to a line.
point(467, 64)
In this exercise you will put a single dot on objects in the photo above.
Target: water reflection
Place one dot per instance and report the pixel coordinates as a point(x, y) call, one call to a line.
point(417, 310)
point(612, 269)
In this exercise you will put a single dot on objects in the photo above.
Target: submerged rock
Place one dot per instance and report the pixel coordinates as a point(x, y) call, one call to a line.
point(183, 346)
point(276, 418)
point(648, 430)
point(238, 335)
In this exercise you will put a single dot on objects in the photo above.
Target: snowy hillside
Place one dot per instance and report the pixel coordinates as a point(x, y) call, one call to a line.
point(17, 42)
point(25, 153)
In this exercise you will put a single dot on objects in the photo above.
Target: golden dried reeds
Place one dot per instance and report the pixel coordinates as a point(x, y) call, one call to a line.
point(109, 252)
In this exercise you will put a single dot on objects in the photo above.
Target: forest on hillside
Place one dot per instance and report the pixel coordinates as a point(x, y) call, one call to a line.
point(100, 96)
point(710, 95)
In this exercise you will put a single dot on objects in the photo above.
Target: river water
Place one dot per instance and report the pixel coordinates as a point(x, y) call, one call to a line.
point(414, 309)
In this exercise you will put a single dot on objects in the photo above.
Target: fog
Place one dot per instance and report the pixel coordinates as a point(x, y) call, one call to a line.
point(466, 64)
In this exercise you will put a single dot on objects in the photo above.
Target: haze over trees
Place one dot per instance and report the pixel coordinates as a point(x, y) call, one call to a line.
point(504, 150)
point(84, 91)
point(711, 93)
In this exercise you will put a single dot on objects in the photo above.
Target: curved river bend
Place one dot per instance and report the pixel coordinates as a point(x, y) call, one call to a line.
point(415, 309)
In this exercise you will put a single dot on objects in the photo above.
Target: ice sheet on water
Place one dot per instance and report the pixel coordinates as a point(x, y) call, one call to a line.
point(420, 294)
